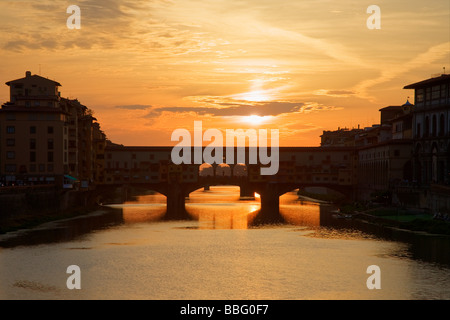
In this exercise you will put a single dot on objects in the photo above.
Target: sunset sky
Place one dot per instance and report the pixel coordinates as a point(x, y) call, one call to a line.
point(149, 67)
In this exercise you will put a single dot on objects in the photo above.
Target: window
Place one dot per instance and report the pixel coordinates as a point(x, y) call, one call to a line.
point(10, 168)
point(32, 144)
point(50, 144)
point(50, 167)
point(418, 133)
point(436, 92)
point(32, 156)
point(41, 167)
point(32, 129)
point(419, 95)
point(32, 168)
point(10, 142)
point(10, 155)
point(428, 94)
point(49, 130)
point(50, 156)
point(10, 129)
point(443, 91)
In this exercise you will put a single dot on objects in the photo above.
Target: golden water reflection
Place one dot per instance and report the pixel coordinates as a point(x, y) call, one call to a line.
point(144, 208)
point(299, 212)
point(221, 208)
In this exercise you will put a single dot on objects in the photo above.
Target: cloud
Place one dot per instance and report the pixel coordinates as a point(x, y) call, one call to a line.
point(134, 107)
point(226, 107)
point(389, 73)
point(334, 93)
point(105, 24)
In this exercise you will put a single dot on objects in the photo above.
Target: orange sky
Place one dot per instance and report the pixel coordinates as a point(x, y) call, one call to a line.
point(149, 67)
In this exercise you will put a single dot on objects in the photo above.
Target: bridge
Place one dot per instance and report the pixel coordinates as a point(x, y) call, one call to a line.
point(299, 167)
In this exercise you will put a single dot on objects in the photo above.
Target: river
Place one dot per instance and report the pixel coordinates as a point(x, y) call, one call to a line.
point(128, 251)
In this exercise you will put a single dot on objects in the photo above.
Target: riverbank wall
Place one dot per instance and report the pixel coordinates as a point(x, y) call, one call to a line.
point(21, 205)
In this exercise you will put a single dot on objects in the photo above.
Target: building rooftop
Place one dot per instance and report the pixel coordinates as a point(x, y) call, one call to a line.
point(392, 108)
point(35, 76)
point(431, 81)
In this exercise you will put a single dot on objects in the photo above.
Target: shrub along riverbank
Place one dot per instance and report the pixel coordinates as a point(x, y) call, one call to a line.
point(404, 218)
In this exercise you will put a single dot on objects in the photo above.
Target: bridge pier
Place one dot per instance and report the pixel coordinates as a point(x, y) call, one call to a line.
point(270, 205)
point(246, 192)
point(176, 205)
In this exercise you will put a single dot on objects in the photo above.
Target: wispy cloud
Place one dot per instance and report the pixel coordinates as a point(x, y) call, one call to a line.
point(134, 107)
point(335, 93)
point(227, 107)
point(389, 73)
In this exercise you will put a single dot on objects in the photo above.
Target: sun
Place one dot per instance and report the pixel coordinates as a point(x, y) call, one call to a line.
point(254, 119)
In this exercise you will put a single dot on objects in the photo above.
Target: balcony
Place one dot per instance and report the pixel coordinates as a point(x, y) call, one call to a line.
point(38, 97)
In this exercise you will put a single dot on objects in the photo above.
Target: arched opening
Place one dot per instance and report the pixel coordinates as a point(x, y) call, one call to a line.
point(223, 170)
point(298, 209)
point(240, 170)
point(418, 131)
point(206, 170)
point(138, 204)
point(417, 163)
point(221, 208)
point(426, 130)
point(434, 163)
point(442, 125)
point(434, 126)
point(407, 171)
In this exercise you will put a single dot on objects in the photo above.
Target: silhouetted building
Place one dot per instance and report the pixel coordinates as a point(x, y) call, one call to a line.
point(431, 134)
point(384, 153)
point(34, 137)
point(342, 137)
point(47, 139)
point(431, 118)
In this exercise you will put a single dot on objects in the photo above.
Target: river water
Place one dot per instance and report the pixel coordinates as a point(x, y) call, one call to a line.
point(129, 251)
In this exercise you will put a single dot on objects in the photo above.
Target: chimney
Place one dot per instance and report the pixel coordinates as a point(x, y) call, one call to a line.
point(28, 73)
